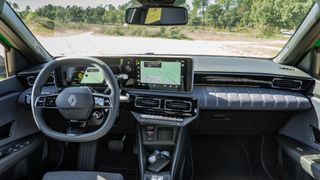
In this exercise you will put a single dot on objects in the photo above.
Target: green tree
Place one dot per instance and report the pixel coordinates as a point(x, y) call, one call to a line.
point(244, 8)
point(229, 19)
point(94, 15)
point(28, 8)
point(227, 4)
point(213, 12)
point(266, 15)
point(204, 4)
point(121, 12)
point(60, 14)
point(110, 16)
point(75, 14)
point(198, 11)
point(48, 11)
point(293, 11)
point(15, 6)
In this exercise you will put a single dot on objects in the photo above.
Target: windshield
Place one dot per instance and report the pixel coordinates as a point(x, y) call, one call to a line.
point(216, 27)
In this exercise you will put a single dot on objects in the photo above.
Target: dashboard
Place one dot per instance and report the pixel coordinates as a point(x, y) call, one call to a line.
point(161, 73)
point(173, 90)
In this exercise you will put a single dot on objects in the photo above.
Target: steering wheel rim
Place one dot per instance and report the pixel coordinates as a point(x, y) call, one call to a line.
point(114, 99)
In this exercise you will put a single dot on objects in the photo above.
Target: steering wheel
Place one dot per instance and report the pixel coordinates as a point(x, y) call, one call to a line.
point(76, 104)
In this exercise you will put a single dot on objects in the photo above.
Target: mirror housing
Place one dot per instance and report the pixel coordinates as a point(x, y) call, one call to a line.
point(155, 2)
point(159, 15)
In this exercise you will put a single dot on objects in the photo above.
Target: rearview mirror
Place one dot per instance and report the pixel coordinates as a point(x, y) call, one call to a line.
point(156, 2)
point(156, 15)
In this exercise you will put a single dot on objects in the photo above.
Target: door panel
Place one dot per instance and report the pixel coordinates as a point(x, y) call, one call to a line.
point(19, 135)
point(10, 85)
point(21, 119)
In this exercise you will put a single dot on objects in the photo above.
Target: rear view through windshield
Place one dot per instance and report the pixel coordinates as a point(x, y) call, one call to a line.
point(251, 28)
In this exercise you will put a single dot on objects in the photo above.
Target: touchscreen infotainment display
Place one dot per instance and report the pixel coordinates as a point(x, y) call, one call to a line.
point(162, 74)
point(158, 72)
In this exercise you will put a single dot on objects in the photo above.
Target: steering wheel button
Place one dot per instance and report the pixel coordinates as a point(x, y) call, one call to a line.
point(107, 103)
point(99, 102)
point(39, 103)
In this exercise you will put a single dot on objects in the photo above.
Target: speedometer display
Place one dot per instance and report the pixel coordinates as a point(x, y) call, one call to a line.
point(84, 75)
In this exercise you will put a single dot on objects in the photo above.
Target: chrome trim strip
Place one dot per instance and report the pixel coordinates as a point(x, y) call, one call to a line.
point(157, 117)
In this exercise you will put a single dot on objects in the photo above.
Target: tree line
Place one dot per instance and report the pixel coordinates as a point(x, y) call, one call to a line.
point(269, 16)
point(107, 14)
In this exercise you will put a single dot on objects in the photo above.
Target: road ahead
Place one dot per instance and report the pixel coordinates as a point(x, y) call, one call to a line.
point(91, 44)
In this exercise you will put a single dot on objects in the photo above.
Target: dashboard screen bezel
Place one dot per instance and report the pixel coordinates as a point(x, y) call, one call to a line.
point(61, 74)
point(120, 64)
point(186, 81)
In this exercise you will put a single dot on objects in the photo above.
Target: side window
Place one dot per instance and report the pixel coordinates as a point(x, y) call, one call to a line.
point(3, 73)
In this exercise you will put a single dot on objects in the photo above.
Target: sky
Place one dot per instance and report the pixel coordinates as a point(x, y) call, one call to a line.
point(34, 4)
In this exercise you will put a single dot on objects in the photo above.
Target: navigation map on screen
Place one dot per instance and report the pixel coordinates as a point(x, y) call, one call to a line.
point(160, 72)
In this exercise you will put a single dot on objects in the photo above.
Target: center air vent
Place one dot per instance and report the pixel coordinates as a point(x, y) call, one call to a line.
point(175, 105)
point(147, 102)
point(286, 84)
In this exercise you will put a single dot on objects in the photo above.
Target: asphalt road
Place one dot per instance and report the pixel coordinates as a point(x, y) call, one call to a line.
point(91, 44)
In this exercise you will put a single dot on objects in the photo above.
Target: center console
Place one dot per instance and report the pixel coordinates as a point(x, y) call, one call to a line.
point(162, 111)
point(162, 151)
point(162, 130)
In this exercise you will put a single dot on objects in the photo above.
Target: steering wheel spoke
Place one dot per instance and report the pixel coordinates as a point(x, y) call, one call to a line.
point(46, 101)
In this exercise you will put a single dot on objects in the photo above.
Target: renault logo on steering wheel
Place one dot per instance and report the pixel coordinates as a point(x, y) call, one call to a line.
point(72, 100)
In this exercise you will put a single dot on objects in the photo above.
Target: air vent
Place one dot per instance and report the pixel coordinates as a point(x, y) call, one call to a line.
point(31, 80)
point(147, 102)
point(174, 105)
point(286, 84)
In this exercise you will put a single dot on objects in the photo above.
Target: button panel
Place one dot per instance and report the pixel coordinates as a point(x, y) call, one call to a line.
point(50, 101)
point(14, 148)
point(46, 101)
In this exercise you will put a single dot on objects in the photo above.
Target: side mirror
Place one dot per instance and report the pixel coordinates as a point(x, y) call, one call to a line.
point(157, 15)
